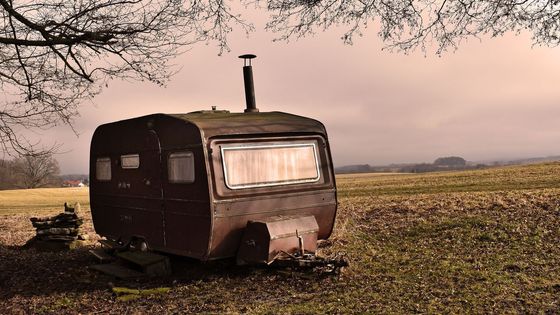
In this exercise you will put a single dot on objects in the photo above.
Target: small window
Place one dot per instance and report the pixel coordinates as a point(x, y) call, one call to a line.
point(250, 165)
point(103, 169)
point(130, 161)
point(181, 167)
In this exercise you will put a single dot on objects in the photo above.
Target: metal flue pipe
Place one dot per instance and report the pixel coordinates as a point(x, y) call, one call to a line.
point(249, 84)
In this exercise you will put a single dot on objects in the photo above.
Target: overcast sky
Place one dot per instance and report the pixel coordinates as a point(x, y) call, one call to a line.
point(495, 99)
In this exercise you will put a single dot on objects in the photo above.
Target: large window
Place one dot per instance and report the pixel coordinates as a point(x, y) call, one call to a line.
point(103, 169)
point(250, 165)
point(181, 167)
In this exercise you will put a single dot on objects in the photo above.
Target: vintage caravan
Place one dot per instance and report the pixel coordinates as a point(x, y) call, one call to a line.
point(189, 184)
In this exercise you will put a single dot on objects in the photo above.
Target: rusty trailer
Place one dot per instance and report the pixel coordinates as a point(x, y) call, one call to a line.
point(193, 184)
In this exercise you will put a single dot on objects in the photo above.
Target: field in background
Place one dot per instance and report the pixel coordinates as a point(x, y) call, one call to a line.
point(477, 241)
point(41, 199)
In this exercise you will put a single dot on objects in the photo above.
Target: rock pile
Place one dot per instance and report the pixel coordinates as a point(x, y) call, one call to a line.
point(60, 231)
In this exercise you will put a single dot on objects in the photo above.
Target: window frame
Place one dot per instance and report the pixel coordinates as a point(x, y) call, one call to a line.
point(237, 146)
point(178, 153)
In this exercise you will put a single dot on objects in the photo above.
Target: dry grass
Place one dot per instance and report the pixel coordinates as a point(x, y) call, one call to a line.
point(459, 242)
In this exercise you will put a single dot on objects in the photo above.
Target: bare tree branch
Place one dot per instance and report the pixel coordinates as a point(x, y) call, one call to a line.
point(36, 170)
point(56, 54)
point(406, 25)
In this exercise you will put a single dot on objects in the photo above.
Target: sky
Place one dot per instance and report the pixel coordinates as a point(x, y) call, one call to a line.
point(491, 99)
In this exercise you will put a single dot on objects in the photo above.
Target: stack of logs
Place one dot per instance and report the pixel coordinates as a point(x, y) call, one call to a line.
point(63, 228)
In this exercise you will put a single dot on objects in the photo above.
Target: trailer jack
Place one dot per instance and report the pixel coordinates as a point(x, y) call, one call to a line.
point(322, 265)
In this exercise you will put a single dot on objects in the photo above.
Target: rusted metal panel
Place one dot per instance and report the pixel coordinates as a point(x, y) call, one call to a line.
point(264, 240)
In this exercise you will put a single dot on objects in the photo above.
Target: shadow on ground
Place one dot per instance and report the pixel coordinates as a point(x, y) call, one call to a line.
point(30, 272)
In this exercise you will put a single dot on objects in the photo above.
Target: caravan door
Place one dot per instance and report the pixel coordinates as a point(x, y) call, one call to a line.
point(126, 192)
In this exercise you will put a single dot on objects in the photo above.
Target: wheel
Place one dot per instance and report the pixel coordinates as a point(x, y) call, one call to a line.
point(138, 244)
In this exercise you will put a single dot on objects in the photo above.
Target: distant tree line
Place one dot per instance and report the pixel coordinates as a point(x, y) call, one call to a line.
point(448, 163)
point(440, 164)
point(359, 168)
point(30, 171)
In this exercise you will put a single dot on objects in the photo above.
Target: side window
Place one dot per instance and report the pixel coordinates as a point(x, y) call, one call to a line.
point(181, 167)
point(130, 161)
point(103, 169)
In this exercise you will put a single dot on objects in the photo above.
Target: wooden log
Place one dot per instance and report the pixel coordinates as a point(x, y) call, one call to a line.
point(58, 238)
point(60, 224)
point(58, 231)
point(43, 219)
point(42, 224)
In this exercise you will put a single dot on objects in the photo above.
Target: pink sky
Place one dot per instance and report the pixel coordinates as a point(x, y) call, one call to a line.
point(494, 99)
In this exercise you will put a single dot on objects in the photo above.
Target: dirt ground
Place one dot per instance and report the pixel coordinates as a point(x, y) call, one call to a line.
point(436, 243)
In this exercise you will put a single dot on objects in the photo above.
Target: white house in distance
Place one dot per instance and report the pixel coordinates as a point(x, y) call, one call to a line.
point(73, 183)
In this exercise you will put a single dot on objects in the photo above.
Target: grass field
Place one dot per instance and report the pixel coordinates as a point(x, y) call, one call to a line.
point(48, 200)
point(458, 242)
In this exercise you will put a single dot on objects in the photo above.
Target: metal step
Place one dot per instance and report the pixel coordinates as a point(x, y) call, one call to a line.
point(150, 263)
point(102, 255)
point(119, 271)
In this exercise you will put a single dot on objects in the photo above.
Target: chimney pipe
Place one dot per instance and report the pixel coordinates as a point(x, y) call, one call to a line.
point(249, 85)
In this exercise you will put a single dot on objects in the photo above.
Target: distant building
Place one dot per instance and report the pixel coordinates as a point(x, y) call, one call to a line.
point(73, 183)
